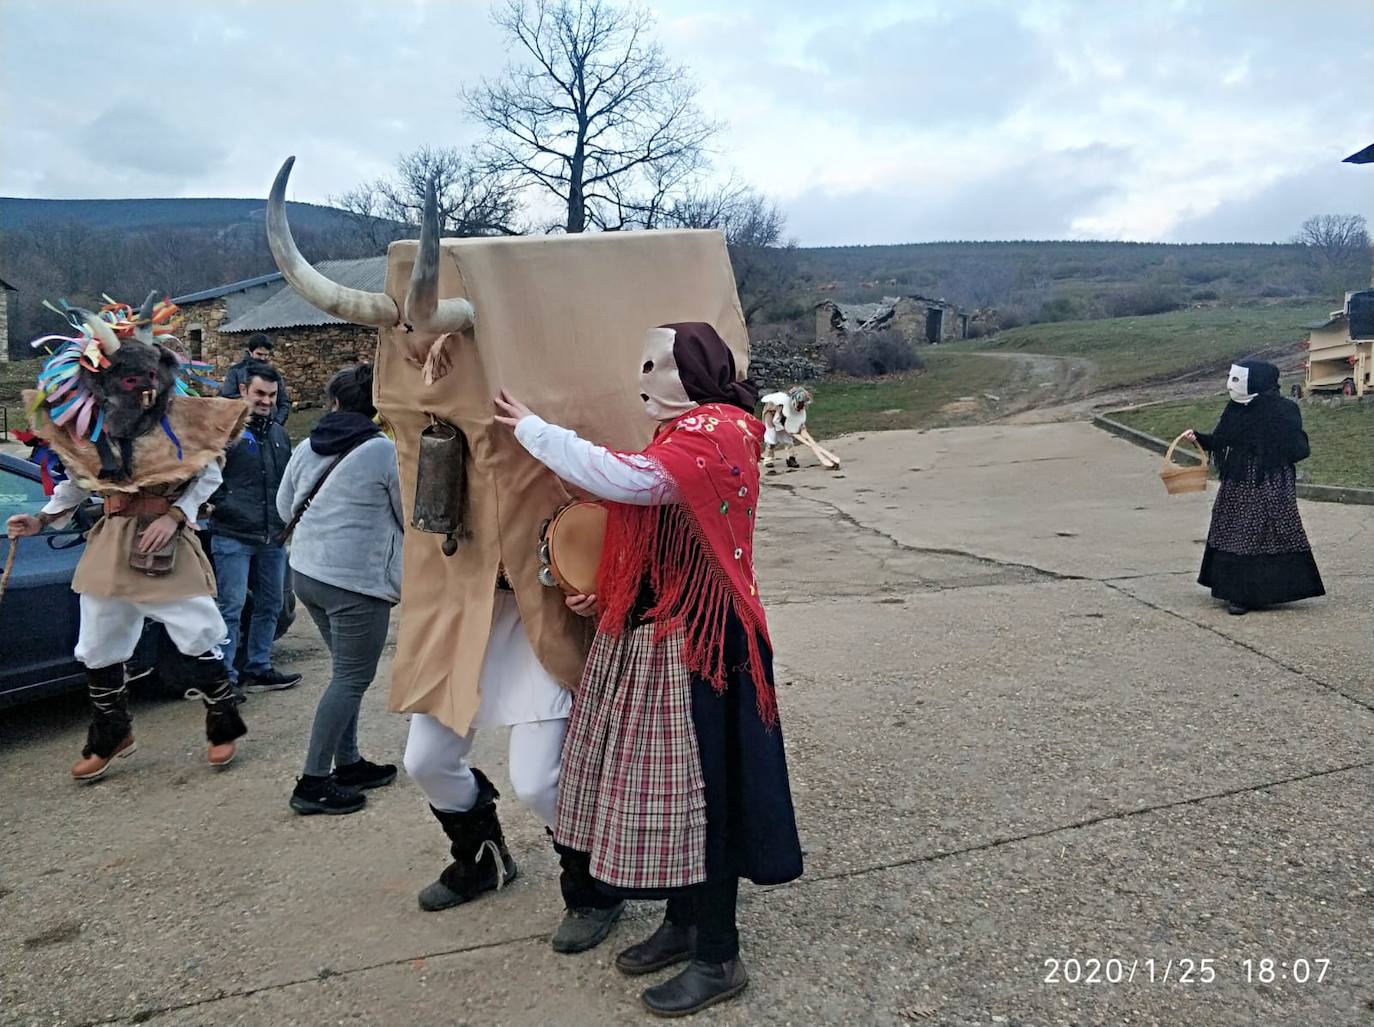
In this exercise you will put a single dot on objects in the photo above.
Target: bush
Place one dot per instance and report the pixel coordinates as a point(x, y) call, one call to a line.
point(1140, 300)
point(869, 354)
point(1060, 309)
point(1272, 292)
point(1204, 295)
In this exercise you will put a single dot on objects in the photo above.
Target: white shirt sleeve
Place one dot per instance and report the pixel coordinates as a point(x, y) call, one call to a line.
point(201, 488)
point(636, 480)
point(66, 496)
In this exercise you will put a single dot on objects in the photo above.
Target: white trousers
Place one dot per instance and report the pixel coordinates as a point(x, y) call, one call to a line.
point(436, 760)
point(111, 628)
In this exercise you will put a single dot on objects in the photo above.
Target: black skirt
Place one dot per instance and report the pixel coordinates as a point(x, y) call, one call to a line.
point(1257, 551)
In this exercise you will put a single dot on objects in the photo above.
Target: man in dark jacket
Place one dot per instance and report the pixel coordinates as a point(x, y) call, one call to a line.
point(259, 352)
point(246, 534)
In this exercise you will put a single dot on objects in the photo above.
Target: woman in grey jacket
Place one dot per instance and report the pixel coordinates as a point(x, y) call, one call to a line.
point(346, 564)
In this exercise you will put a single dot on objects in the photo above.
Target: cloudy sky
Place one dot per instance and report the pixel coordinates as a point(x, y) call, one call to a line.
point(870, 121)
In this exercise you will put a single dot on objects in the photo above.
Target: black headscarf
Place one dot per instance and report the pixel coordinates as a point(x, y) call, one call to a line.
point(1254, 440)
point(707, 367)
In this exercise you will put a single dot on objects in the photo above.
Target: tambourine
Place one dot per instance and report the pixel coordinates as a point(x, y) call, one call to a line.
point(570, 544)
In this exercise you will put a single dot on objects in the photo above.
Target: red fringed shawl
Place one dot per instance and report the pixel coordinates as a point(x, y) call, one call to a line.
point(697, 555)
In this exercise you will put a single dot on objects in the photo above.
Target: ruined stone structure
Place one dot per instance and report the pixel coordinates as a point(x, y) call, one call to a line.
point(919, 319)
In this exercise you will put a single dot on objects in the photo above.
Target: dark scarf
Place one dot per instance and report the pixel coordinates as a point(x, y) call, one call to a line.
point(1255, 440)
point(340, 431)
point(707, 367)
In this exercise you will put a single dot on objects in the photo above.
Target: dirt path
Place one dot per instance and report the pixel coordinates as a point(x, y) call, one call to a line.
point(1051, 389)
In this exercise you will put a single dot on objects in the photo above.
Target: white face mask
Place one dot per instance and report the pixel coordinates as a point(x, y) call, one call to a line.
point(664, 395)
point(1238, 384)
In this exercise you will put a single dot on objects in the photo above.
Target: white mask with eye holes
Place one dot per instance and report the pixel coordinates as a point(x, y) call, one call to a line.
point(1238, 385)
point(660, 387)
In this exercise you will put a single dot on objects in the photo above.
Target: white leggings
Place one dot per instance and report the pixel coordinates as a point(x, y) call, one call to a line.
point(436, 760)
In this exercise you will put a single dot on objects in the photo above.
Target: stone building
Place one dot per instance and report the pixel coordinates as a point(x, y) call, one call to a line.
point(920, 320)
point(7, 296)
point(310, 345)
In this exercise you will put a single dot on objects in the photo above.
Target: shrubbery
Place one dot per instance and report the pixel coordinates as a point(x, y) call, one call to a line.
point(1141, 300)
point(868, 354)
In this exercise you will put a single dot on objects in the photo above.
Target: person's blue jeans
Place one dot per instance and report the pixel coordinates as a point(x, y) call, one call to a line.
point(240, 566)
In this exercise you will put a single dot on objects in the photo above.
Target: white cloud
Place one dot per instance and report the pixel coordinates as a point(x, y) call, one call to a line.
point(872, 121)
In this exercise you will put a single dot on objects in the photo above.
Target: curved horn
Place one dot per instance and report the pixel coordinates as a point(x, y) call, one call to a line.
point(100, 328)
point(146, 312)
point(356, 306)
point(424, 309)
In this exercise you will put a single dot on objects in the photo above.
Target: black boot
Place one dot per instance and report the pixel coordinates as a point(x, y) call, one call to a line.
point(206, 676)
point(481, 861)
point(590, 914)
point(111, 730)
point(700, 985)
point(110, 720)
point(671, 943)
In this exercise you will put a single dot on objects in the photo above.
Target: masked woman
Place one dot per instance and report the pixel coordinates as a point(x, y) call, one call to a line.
point(1257, 552)
point(674, 779)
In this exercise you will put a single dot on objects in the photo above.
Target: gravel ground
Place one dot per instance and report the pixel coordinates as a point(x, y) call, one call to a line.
point(1024, 745)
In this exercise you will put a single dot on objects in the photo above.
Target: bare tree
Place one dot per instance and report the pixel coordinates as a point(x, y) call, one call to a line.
point(765, 262)
point(596, 115)
point(473, 200)
point(1336, 240)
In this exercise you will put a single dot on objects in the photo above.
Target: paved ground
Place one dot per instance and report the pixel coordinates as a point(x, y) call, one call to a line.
point(1018, 733)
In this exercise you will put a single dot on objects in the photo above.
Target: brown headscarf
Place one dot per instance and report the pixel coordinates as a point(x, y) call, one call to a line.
point(707, 367)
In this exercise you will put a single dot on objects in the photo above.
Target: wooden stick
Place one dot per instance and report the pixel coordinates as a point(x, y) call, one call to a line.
point(829, 459)
point(9, 567)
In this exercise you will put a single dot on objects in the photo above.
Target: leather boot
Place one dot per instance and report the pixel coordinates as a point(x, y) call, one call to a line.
point(481, 861)
point(589, 914)
point(696, 987)
point(669, 944)
point(206, 676)
point(110, 735)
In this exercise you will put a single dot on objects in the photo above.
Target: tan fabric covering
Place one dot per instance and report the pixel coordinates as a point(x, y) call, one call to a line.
point(561, 323)
point(206, 427)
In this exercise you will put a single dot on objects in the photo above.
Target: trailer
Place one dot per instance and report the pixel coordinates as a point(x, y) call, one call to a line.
point(1341, 349)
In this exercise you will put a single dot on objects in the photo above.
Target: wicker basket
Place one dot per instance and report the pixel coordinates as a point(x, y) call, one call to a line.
point(1179, 479)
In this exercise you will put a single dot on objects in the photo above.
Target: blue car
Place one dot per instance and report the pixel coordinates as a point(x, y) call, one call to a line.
point(40, 614)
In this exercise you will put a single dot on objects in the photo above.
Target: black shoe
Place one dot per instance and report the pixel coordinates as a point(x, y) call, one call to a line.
point(698, 986)
point(325, 795)
point(668, 945)
point(584, 929)
point(268, 681)
point(365, 774)
point(792, 463)
point(1236, 610)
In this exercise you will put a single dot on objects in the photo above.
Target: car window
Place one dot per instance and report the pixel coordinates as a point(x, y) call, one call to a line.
point(19, 494)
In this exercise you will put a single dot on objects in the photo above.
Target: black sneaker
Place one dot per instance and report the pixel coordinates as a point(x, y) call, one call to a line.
point(268, 681)
point(325, 795)
point(365, 774)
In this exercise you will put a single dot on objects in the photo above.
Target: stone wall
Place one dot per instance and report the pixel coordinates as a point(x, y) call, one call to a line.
point(6, 308)
point(306, 357)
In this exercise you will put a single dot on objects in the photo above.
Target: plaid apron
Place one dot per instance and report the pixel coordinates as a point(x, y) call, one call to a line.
point(631, 791)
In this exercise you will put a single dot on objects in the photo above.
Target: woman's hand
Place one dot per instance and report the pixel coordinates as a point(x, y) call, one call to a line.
point(583, 606)
point(512, 409)
point(1190, 435)
point(157, 534)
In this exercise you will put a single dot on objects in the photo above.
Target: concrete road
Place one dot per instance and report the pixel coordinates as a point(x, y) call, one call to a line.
point(1037, 771)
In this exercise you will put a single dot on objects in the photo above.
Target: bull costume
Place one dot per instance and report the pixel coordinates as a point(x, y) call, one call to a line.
point(116, 405)
point(674, 776)
point(481, 643)
point(1257, 552)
